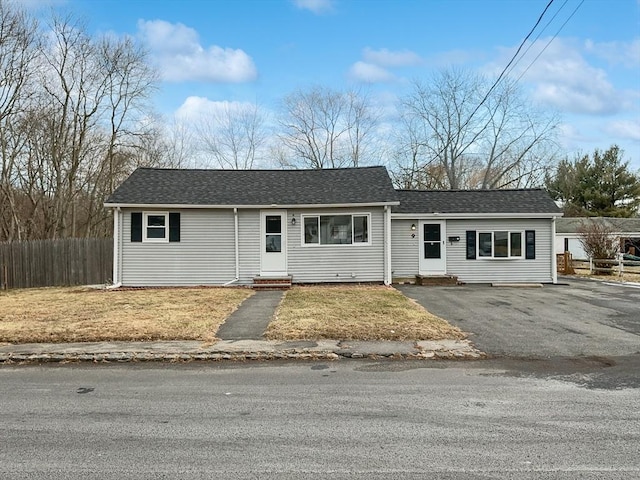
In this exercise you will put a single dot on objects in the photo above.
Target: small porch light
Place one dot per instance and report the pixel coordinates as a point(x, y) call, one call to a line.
point(293, 220)
point(413, 227)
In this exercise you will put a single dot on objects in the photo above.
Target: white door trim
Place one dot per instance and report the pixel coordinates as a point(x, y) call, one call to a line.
point(432, 266)
point(273, 264)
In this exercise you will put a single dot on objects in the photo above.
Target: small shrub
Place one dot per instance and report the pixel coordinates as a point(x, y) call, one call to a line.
point(599, 242)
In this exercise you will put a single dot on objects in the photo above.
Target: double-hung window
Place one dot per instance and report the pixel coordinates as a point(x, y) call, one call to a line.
point(500, 244)
point(336, 229)
point(155, 227)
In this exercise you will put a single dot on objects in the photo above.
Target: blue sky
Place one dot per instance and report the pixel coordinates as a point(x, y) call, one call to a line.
point(212, 51)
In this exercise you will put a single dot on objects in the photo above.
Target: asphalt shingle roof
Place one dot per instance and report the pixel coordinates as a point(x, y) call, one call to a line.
point(616, 225)
point(155, 186)
point(475, 201)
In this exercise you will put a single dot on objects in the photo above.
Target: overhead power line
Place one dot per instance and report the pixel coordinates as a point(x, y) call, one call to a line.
point(515, 55)
point(551, 40)
point(537, 37)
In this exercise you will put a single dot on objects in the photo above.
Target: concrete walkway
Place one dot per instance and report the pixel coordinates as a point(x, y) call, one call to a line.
point(252, 317)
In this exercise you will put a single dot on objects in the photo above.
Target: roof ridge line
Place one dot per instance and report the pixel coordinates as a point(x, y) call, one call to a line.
point(171, 169)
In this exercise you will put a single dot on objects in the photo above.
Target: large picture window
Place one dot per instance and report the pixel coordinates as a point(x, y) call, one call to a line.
point(336, 229)
point(499, 244)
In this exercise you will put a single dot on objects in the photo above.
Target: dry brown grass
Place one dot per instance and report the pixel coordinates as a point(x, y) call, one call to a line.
point(86, 315)
point(355, 313)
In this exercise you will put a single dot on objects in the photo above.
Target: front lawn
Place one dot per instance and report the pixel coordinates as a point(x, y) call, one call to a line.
point(89, 315)
point(345, 312)
point(348, 312)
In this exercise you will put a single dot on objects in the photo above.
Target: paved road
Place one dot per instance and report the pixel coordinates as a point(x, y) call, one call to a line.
point(348, 419)
point(585, 317)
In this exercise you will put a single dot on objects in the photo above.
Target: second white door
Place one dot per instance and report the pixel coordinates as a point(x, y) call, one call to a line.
point(432, 248)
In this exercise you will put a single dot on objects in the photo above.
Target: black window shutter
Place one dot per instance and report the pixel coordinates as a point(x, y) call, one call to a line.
point(471, 244)
point(174, 227)
point(530, 242)
point(136, 226)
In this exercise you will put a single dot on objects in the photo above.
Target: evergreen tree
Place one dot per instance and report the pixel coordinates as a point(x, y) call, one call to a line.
point(597, 185)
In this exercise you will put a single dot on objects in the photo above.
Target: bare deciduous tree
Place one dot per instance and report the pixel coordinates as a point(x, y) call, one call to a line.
point(599, 242)
point(410, 171)
point(18, 49)
point(74, 129)
point(492, 141)
point(233, 136)
point(324, 128)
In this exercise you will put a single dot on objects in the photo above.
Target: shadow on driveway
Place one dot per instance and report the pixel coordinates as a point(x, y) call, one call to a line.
point(583, 318)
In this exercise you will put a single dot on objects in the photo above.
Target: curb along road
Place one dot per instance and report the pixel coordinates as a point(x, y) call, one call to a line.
point(122, 352)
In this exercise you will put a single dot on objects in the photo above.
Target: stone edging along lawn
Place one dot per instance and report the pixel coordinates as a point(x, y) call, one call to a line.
point(120, 352)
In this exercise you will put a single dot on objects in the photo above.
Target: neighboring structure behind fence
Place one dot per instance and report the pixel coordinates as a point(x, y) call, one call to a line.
point(45, 263)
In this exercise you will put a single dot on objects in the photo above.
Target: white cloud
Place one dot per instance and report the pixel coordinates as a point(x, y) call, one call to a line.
point(389, 58)
point(624, 129)
point(194, 108)
point(318, 7)
point(616, 53)
point(562, 78)
point(181, 57)
point(571, 136)
point(369, 73)
point(374, 68)
point(580, 98)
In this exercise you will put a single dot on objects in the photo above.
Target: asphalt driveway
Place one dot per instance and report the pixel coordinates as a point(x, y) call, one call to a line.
point(583, 318)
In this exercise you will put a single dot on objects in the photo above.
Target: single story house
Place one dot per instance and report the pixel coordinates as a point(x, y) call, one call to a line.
point(626, 230)
point(238, 227)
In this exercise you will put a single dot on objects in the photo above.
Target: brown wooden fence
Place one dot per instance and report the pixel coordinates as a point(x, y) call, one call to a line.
point(47, 263)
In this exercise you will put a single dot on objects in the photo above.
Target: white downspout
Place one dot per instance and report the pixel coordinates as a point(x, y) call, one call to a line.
point(117, 282)
point(387, 245)
point(237, 245)
point(554, 265)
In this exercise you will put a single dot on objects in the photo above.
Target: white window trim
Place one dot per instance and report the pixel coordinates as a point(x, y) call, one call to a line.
point(145, 216)
point(493, 245)
point(341, 245)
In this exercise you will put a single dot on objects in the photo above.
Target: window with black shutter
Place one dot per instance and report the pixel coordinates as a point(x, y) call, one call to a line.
point(530, 244)
point(471, 244)
point(136, 226)
point(155, 227)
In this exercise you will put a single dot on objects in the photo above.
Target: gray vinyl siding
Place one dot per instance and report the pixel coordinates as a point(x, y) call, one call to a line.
point(405, 252)
point(336, 263)
point(404, 248)
point(249, 245)
point(205, 254)
point(500, 270)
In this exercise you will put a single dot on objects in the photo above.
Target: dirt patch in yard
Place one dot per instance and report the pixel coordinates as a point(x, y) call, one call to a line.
point(89, 315)
point(355, 313)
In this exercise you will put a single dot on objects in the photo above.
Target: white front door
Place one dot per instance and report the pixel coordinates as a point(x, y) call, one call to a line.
point(432, 248)
point(273, 243)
